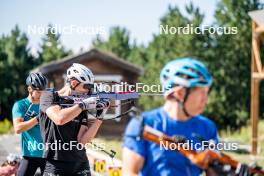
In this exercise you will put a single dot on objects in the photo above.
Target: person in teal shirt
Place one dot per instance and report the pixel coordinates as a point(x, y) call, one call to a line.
point(25, 119)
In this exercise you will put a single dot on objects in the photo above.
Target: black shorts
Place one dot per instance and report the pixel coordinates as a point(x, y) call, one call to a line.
point(64, 168)
point(29, 165)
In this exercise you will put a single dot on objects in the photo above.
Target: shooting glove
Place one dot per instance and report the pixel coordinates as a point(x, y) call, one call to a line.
point(88, 103)
point(102, 106)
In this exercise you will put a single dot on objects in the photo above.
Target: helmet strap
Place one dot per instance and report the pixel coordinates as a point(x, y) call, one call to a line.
point(31, 95)
point(184, 100)
point(74, 87)
point(182, 103)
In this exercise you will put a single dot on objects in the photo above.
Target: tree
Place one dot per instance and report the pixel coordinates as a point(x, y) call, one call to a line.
point(227, 56)
point(118, 42)
point(230, 62)
point(169, 46)
point(51, 47)
point(15, 63)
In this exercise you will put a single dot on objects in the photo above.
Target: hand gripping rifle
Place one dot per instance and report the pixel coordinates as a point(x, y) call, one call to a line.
point(203, 159)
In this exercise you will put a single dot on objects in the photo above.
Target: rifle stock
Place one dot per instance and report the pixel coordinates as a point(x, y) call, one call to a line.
point(200, 159)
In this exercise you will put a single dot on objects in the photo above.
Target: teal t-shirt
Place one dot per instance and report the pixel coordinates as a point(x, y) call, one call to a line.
point(31, 141)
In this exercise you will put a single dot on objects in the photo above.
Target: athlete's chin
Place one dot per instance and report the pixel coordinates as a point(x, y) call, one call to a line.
point(37, 100)
point(199, 111)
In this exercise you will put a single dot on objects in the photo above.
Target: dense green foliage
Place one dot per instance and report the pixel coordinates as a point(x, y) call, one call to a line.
point(16, 62)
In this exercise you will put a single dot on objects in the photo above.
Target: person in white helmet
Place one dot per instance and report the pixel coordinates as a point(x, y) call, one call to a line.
point(63, 126)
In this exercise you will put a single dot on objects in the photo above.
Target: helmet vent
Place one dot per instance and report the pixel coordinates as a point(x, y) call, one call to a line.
point(82, 78)
point(165, 77)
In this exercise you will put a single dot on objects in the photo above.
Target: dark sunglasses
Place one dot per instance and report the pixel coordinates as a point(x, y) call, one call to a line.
point(37, 89)
point(88, 86)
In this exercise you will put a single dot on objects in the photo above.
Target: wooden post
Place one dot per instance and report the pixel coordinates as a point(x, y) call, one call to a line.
point(254, 113)
point(254, 106)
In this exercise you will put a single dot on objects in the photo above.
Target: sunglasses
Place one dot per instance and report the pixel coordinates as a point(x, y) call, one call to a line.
point(37, 89)
point(88, 86)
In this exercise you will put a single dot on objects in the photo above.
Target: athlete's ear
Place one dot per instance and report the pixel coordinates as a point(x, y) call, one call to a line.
point(29, 89)
point(179, 93)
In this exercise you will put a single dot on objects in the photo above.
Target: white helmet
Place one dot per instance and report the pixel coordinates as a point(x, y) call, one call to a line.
point(80, 73)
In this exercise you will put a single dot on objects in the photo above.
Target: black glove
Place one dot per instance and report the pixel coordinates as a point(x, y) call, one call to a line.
point(102, 106)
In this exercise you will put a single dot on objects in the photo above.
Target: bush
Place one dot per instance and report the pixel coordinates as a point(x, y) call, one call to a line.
point(5, 126)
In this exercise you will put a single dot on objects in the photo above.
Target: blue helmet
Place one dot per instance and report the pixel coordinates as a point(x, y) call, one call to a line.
point(186, 72)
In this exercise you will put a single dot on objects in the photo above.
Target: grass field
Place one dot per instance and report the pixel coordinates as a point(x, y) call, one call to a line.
point(241, 136)
point(111, 143)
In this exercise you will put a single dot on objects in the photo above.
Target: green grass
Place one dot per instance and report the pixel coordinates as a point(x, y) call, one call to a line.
point(110, 143)
point(242, 136)
point(5, 126)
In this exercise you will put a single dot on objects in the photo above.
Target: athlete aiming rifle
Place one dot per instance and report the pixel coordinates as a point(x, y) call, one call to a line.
point(64, 125)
